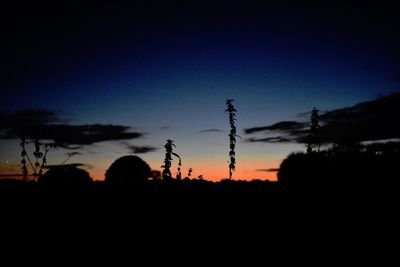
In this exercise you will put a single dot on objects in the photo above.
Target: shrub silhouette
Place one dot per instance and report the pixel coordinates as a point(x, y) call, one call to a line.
point(65, 175)
point(128, 170)
point(340, 170)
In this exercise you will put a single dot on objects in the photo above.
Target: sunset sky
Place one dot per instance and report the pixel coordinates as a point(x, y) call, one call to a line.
point(165, 71)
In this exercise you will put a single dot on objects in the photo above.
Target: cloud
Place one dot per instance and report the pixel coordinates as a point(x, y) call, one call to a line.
point(27, 118)
point(276, 139)
point(366, 121)
point(44, 125)
point(280, 126)
point(71, 154)
point(142, 149)
point(165, 128)
point(66, 165)
point(268, 170)
point(211, 131)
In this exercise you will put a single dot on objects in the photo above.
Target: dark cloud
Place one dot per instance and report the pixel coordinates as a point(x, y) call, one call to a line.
point(164, 128)
point(28, 118)
point(71, 154)
point(142, 149)
point(276, 139)
point(366, 121)
point(41, 124)
point(211, 131)
point(280, 126)
point(268, 170)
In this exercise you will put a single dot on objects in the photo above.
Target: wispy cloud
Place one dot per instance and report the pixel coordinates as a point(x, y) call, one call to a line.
point(276, 139)
point(268, 170)
point(283, 126)
point(66, 165)
point(142, 149)
point(212, 130)
point(71, 154)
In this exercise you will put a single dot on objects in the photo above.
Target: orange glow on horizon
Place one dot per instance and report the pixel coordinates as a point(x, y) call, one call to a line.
point(212, 169)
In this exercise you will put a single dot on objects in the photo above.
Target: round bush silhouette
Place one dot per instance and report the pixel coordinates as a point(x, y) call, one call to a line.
point(128, 170)
point(66, 175)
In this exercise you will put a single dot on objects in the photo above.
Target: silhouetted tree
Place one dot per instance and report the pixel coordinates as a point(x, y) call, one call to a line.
point(232, 136)
point(65, 175)
point(128, 170)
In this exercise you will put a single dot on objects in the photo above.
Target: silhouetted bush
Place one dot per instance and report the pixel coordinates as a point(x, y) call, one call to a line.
point(128, 170)
point(340, 171)
point(65, 175)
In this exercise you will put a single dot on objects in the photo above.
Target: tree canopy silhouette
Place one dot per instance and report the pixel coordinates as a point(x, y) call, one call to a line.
point(128, 170)
point(66, 175)
point(351, 167)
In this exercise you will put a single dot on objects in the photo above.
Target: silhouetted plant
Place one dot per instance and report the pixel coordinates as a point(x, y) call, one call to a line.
point(167, 161)
point(179, 174)
point(46, 147)
point(24, 156)
point(38, 155)
point(69, 155)
point(312, 137)
point(190, 172)
point(232, 136)
point(38, 167)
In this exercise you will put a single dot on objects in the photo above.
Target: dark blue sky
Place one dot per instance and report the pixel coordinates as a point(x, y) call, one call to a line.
point(153, 65)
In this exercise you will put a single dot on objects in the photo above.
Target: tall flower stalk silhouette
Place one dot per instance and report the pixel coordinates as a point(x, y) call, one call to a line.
point(38, 155)
point(24, 156)
point(232, 136)
point(167, 161)
point(312, 137)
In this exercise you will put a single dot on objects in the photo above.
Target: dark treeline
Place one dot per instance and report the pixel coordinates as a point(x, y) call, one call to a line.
point(347, 169)
point(343, 186)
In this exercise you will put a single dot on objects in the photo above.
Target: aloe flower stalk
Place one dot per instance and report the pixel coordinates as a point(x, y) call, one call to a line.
point(232, 136)
point(167, 161)
point(312, 137)
point(24, 155)
point(38, 155)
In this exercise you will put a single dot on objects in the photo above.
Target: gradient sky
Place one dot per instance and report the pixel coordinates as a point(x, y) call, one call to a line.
point(166, 69)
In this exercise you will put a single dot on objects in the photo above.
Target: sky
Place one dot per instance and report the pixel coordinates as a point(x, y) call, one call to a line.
point(164, 70)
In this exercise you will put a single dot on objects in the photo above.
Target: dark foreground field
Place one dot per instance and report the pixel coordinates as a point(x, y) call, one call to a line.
point(186, 196)
point(197, 218)
point(320, 187)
